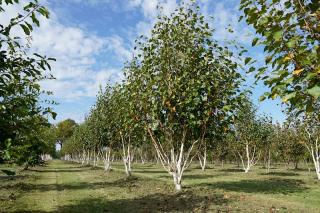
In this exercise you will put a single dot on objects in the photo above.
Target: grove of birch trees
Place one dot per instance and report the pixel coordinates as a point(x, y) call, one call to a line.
point(182, 99)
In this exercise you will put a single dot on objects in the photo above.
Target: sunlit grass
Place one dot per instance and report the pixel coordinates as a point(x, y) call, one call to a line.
point(67, 187)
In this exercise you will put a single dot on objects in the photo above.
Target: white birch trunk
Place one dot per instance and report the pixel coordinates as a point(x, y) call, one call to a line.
point(251, 158)
point(83, 157)
point(176, 162)
point(142, 157)
point(127, 156)
point(316, 161)
point(107, 164)
point(246, 170)
point(203, 160)
point(177, 180)
point(269, 161)
point(88, 158)
point(177, 168)
point(314, 150)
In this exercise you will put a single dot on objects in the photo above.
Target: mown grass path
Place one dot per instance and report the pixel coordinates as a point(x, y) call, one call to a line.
point(67, 187)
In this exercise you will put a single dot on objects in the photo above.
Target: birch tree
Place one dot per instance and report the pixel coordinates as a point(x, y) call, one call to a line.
point(309, 129)
point(100, 124)
point(125, 127)
point(312, 136)
point(268, 140)
point(104, 112)
point(183, 82)
point(248, 136)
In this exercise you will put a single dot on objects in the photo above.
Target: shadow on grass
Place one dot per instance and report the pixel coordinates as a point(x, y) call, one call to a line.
point(231, 170)
point(61, 170)
point(13, 178)
point(288, 174)
point(129, 183)
point(201, 175)
point(182, 202)
point(192, 176)
point(149, 171)
point(267, 186)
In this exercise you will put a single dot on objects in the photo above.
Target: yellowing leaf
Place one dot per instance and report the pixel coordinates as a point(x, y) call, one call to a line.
point(297, 72)
point(289, 57)
point(287, 97)
point(273, 96)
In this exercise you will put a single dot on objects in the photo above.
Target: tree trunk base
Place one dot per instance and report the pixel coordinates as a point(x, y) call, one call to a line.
point(178, 187)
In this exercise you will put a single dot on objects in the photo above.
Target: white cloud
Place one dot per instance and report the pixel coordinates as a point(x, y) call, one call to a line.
point(78, 73)
point(76, 70)
point(149, 7)
point(226, 13)
point(117, 45)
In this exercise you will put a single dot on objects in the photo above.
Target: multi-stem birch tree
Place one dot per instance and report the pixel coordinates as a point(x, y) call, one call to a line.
point(308, 127)
point(247, 137)
point(100, 125)
point(267, 131)
point(184, 82)
point(125, 127)
point(214, 135)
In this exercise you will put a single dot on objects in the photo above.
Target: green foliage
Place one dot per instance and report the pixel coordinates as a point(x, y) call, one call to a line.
point(183, 81)
point(29, 144)
point(289, 146)
point(250, 129)
point(20, 73)
point(64, 130)
point(289, 32)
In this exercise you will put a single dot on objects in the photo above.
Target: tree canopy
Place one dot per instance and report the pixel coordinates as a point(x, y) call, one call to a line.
point(290, 33)
point(21, 113)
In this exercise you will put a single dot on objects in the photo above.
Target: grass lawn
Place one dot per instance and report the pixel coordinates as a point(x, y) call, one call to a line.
point(67, 187)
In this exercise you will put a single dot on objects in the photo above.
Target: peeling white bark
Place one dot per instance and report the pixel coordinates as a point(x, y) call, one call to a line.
point(127, 155)
point(251, 158)
point(313, 147)
point(176, 161)
point(177, 180)
point(88, 157)
point(106, 160)
point(203, 159)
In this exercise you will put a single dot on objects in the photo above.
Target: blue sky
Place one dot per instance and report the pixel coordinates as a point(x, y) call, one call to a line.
point(92, 39)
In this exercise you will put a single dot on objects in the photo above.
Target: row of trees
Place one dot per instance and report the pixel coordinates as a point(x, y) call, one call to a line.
point(179, 91)
point(252, 139)
point(182, 96)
